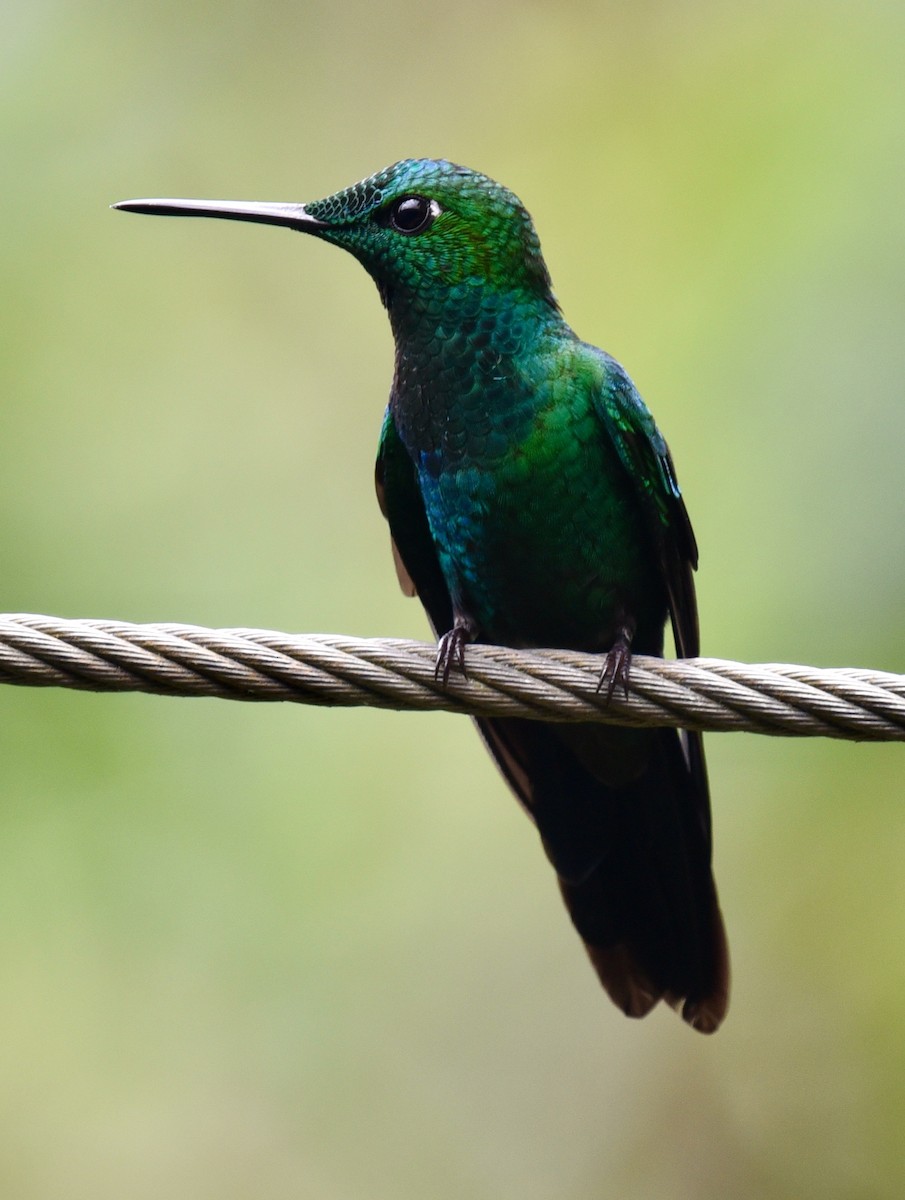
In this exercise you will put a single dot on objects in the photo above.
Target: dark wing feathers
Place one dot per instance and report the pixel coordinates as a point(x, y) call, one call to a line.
point(400, 502)
point(644, 453)
point(645, 456)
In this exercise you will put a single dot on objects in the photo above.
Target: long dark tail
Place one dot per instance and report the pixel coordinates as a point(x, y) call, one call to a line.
point(624, 816)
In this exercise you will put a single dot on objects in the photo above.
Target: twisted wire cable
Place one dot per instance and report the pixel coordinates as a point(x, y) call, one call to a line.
point(706, 694)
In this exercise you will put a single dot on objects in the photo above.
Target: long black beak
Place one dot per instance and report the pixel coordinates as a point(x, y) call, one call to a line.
point(293, 216)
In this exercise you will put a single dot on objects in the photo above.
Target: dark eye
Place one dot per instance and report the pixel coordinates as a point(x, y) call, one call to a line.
point(413, 214)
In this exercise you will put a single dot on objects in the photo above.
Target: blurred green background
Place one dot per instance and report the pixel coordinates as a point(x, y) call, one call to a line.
point(271, 951)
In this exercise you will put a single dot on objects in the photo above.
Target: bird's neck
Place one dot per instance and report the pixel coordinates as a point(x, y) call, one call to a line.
point(466, 358)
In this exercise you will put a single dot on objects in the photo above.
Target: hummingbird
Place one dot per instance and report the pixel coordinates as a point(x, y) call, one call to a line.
point(532, 502)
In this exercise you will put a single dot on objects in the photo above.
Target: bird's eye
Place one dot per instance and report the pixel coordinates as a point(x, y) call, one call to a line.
point(413, 214)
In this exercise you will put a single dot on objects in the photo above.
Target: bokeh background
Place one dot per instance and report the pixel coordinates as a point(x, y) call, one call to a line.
point(270, 951)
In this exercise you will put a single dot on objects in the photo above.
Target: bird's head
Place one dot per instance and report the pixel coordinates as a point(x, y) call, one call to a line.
point(419, 226)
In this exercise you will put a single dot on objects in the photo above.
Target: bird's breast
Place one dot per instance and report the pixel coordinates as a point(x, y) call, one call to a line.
point(537, 527)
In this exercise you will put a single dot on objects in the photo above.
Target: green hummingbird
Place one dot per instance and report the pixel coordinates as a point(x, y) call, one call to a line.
point(532, 502)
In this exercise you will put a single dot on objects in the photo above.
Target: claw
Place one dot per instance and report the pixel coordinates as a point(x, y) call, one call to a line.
point(616, 669)
point(618, 662)
point(451, 652)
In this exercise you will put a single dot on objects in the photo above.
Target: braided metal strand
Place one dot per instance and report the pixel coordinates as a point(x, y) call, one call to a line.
point(553, 685)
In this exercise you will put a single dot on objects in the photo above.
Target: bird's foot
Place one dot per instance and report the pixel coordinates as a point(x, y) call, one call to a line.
point(618, 662)
point(451, 649)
